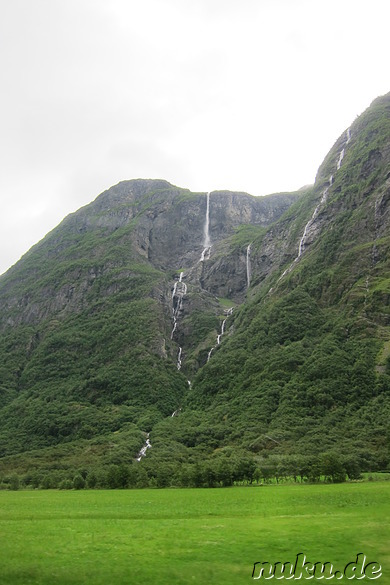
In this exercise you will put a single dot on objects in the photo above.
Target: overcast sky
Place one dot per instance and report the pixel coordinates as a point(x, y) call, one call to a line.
point(244, 95)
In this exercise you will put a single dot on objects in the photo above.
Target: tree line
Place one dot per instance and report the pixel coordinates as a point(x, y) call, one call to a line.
point(214, 472)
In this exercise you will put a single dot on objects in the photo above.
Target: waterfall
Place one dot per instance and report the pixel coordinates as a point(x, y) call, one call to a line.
point(179, 290)
point(342, 153)
point(323, 198)
point(206, 241)
point(206, 233)
point(341, 156)
point(183, 284)
point(205, 254)
point(222, 331)
point(223, 327)
point(147, 446)
point(302, 241)
point(227, 312)
point(248, 265)
point(303, 238)
point(179, 358)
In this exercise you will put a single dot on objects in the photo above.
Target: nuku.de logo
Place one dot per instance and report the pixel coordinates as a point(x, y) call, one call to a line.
point(304, 569)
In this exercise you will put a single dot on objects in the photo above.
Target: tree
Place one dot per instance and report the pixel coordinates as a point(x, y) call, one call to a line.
point(78, 482)
point(92, 479)
point(352, 467)
point(332, 468)
point(14, 482)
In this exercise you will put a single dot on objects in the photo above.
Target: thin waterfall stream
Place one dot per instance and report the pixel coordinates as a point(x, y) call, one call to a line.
point(180, 288)
point(227, 312)
point(324, 196)
point(179, 291)
point(147, 446)
point(248, 265)
point(206, 232)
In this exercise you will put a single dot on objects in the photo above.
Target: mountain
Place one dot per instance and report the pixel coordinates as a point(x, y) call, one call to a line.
point(233, 333)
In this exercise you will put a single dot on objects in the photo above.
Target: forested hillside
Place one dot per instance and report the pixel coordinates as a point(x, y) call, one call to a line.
point(241, 337)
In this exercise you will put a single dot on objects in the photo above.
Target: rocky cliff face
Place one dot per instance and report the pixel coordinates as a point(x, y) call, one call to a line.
point(136, 221)
point(169, 228)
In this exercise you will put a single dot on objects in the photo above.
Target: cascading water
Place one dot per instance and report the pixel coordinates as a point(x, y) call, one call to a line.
point(227, 312)
point(180, 288)
point(222, 331)
point(303, 239)
point(248, 265)
point(209, 354)
point(206, 233)
point(183, 283)
point(147, 446)
point(341, 156)
point(342, 153)
point(324, 197)
point(179, 358)
point(179, 291)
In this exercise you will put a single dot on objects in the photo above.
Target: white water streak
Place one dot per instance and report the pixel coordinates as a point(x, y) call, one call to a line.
point(179, 358)
point(248, 265)
point(179, 290)
point(147, 446)
point(303, 239)
point(206, 233)
point(227, 312)
point(312, 219)
point(340, 158)
point(206, 241)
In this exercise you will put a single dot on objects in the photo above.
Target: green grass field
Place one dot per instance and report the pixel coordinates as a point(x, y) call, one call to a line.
point(206, 536)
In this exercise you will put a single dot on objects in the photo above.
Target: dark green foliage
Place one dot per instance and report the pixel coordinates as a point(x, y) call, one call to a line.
point(78, 482)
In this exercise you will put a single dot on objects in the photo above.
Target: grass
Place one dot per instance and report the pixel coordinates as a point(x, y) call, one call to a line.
point(187, 536)
point(226, 303)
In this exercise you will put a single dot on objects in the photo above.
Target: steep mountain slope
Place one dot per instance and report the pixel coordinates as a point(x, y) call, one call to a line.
point(307, 367)
point(89, 315)
point(276, 309)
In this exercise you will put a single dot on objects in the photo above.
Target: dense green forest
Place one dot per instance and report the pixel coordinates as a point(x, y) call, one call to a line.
point(267, 358)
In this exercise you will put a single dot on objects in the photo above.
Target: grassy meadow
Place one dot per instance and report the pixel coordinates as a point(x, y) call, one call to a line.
point(204, 536)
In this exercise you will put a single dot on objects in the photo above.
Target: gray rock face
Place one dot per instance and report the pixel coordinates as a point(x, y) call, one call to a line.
point(170, 234)
point(135, 221)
